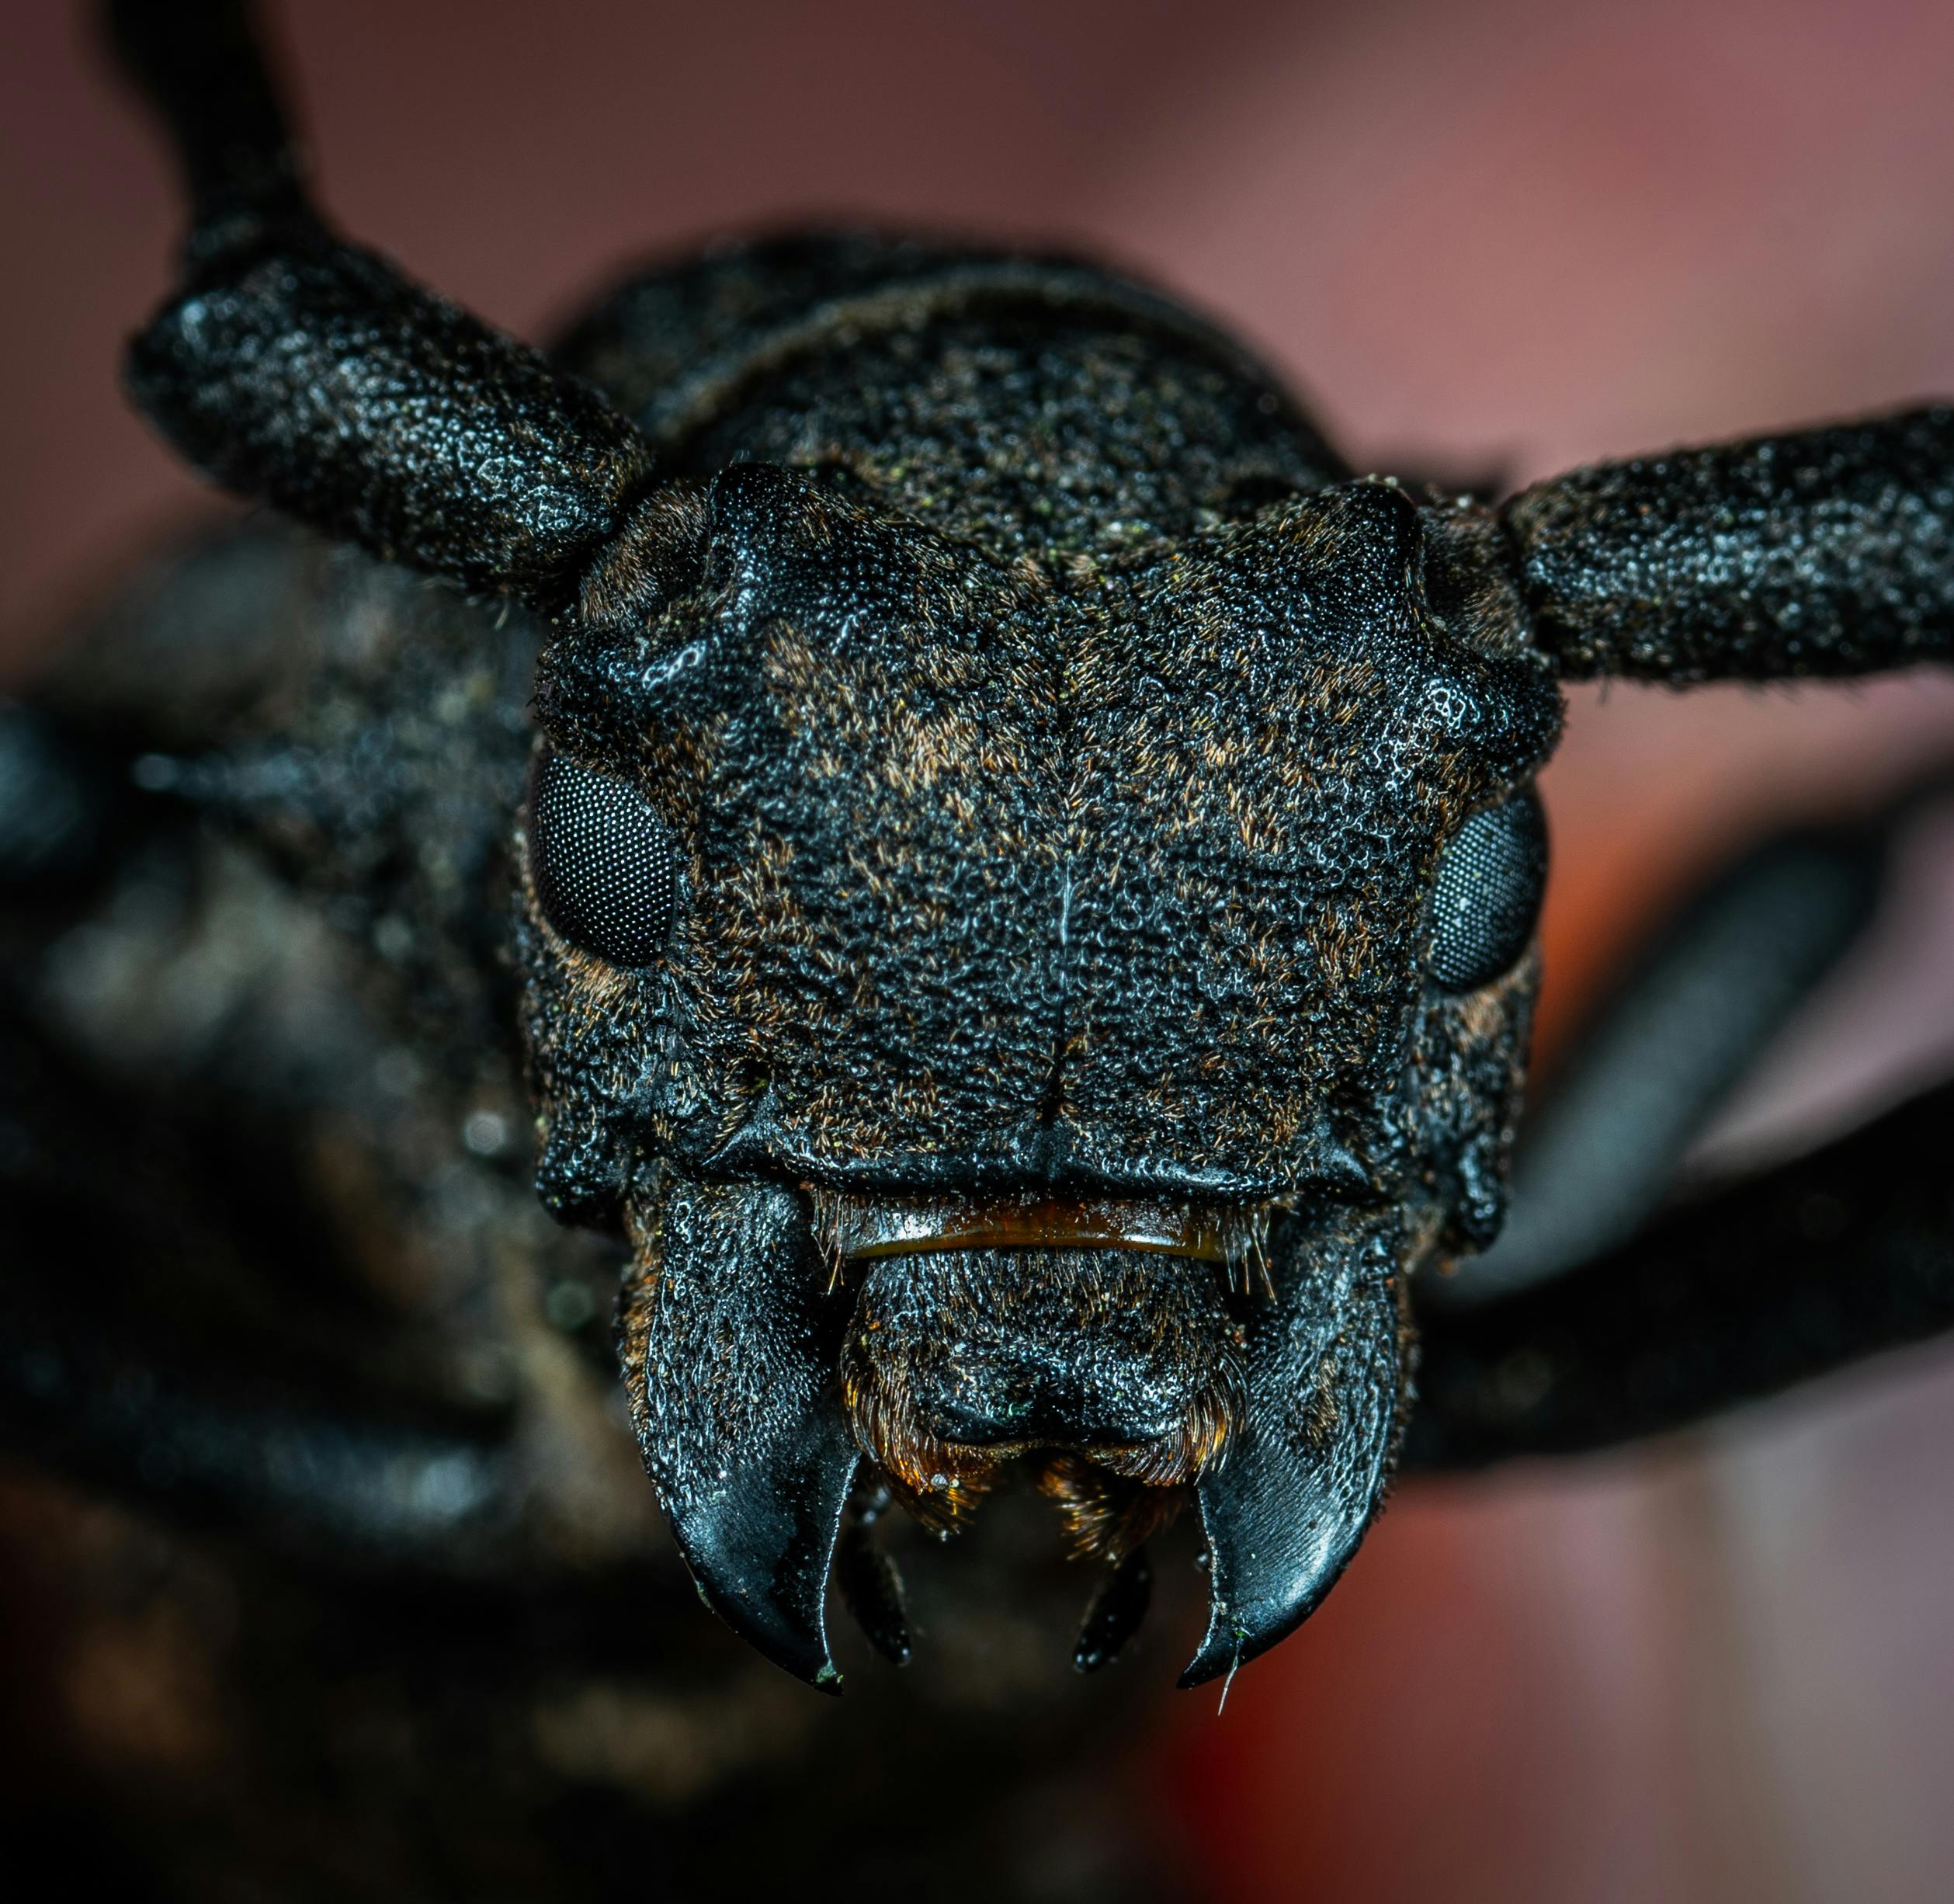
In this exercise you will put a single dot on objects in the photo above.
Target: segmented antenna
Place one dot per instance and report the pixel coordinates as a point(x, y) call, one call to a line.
point(201, 66)
point(299, 370)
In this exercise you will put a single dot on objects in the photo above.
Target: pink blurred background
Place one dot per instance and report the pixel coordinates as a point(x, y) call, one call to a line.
point(1514, 236)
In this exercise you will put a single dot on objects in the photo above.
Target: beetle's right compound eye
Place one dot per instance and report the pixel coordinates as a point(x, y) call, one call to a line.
point(606, 865)
point(1491, 875)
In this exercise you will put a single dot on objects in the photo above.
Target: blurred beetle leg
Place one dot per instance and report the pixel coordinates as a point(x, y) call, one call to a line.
point(1660, 1056)
point(1844, 1252)
point(728, 1348)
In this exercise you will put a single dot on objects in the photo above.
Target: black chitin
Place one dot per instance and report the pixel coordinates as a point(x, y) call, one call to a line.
point(1024, 878)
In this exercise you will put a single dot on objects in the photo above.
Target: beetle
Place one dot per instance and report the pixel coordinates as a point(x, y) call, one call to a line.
point(1023, 877)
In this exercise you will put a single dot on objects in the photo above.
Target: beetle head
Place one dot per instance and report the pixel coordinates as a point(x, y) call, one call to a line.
point(1029, 1005)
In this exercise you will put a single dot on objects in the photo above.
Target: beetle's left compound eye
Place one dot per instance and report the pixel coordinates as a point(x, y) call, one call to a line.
point(606, 865)
point(1491, 875)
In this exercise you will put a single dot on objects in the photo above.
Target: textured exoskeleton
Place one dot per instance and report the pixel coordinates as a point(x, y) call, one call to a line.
point(1023, 883)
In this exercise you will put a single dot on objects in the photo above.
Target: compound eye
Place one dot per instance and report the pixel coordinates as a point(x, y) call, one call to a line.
point(1492, 875)
point(606, 865)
